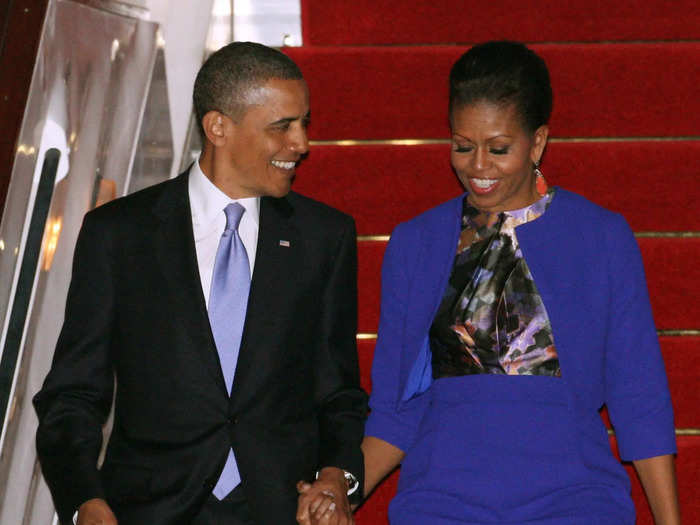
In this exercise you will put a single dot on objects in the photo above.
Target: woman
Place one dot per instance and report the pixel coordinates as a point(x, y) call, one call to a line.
point(509, 316)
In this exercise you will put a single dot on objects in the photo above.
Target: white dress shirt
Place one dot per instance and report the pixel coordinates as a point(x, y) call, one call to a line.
point(207, 203)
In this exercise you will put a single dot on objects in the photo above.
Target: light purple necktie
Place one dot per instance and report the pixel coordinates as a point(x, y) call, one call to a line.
point(228, 300)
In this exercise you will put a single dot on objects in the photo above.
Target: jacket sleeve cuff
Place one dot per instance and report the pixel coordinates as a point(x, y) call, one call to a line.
point(74, 486)
point(646, 437)
point(396, 426)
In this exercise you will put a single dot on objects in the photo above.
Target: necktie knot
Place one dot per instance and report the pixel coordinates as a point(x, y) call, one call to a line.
point(234, 212)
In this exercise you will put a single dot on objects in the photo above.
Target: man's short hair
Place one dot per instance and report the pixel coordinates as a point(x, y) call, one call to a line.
point(227, 76)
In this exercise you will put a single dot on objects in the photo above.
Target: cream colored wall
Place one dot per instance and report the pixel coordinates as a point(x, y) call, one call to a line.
point(184, 27)
point(188, 28)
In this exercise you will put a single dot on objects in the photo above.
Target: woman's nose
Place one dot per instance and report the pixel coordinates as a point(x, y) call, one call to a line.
point(480, 159)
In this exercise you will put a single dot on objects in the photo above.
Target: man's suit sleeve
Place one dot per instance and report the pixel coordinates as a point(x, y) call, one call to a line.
point(75, 399)
point(342, 402)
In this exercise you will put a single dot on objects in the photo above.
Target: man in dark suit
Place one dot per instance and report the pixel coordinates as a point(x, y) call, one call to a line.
point(162, 311)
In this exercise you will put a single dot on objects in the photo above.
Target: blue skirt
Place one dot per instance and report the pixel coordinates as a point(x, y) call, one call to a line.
point(509, 449)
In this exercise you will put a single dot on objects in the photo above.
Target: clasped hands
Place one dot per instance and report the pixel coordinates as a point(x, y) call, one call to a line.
point(325, 501)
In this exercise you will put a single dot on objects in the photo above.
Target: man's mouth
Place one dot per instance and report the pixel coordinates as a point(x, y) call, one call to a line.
point(284, 165)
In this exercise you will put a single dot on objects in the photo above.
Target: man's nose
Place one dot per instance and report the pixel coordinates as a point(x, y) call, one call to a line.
point(299, 140)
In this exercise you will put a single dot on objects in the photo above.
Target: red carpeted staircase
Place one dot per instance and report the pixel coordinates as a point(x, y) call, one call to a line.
point(625, 133)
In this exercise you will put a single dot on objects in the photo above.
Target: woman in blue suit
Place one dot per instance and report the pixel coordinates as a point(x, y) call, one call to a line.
point(509, 317)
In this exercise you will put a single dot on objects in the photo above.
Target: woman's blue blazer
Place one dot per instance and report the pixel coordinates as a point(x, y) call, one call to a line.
point(588, 269)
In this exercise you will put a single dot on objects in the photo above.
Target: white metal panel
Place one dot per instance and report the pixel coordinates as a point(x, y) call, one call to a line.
point(88, 89)
point(271, 22)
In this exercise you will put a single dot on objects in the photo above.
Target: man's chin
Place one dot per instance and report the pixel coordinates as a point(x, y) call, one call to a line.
point(281, 191)
point(284, 189)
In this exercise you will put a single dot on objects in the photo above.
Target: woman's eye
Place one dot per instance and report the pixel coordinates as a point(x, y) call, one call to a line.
point(463, 149)
point(499, 151)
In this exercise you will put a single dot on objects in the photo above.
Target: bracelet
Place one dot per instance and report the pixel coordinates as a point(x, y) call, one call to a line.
point(352, 482)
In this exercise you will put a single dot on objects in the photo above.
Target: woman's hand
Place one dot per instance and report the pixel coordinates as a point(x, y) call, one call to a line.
point(325, 502)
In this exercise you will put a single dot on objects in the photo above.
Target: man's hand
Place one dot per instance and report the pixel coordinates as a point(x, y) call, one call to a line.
point(96, 512)
point(325, 502)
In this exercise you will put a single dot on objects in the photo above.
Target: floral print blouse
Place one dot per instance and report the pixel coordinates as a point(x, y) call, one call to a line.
point(492, 319)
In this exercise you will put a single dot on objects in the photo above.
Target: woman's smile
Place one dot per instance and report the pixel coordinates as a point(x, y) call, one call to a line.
point(494, 155)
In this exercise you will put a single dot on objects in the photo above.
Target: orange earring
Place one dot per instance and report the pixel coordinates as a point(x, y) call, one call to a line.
point(540, 182)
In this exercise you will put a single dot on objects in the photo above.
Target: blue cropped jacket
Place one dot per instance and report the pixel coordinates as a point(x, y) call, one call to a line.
point(589, 272)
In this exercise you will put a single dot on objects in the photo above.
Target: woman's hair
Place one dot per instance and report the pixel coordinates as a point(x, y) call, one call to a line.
point(503, 73)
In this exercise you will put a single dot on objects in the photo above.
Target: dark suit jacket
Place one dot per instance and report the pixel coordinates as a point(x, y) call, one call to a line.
point(136, 312)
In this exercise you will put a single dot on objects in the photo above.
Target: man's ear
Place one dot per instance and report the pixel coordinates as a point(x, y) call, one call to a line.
point(216, 127)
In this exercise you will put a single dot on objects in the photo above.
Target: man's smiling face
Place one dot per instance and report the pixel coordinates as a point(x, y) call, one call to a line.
point(269, 140)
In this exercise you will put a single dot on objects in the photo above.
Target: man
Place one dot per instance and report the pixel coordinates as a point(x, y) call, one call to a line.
point(162, 311)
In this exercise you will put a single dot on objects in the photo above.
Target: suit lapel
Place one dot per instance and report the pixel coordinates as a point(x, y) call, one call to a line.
point(277, 259)
point(175, 251)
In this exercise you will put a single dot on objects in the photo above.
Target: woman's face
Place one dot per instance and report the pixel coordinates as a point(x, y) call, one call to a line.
point(493, 155)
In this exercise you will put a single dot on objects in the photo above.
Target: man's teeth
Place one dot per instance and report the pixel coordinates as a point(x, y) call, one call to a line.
point(484, 183)
point(283, 165)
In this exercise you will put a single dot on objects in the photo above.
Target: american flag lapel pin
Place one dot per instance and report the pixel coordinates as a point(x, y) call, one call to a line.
point(284, 243)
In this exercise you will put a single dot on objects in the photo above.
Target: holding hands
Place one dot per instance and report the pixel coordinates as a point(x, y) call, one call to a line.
point(325, 501)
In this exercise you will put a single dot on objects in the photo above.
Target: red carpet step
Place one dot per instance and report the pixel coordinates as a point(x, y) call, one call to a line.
point(339, 22)
point(681, 355)
point(621, 72)
point(673, 277)
point(601, 90)
point(382, 185)
point(672, 271)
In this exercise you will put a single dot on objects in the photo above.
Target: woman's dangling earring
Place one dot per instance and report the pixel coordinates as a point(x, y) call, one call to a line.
point(540, 183)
